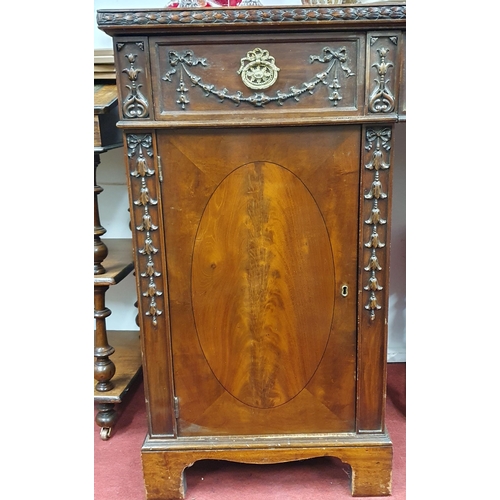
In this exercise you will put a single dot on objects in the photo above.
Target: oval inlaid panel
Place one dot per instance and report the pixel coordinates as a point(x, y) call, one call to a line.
point(262, 284)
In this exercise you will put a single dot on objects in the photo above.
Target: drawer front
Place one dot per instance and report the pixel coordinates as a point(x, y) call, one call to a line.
point(253, 76)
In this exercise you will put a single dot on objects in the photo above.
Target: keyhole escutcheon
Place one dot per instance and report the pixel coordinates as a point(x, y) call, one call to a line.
point(344, 290)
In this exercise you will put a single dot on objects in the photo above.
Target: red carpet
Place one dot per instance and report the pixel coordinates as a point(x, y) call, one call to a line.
point(118, 473)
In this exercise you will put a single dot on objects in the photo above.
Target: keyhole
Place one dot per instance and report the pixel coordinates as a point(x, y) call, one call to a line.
point(344, 291)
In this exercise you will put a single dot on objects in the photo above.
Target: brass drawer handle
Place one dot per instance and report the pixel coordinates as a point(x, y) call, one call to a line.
point(258, 70)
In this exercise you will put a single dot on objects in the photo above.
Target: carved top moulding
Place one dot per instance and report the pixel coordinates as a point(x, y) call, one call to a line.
point(344, 16)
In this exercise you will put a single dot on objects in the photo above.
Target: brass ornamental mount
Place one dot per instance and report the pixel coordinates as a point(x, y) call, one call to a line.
point(259, 72)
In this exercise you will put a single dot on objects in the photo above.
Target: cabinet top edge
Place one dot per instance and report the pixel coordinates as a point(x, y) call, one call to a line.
point(114, 21)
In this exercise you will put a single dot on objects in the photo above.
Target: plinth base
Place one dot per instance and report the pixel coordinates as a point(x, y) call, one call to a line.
point(369, 456)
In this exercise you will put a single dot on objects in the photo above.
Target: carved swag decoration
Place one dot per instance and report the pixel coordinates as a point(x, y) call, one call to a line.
point(140, 147)
point(181, 64)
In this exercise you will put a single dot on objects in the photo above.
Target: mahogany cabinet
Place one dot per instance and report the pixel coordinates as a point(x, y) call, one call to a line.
point(258, 149)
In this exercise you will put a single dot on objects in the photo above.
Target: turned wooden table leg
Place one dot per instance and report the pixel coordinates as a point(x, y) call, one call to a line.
point(106, 418)
point(100, 249)
point(104, 368)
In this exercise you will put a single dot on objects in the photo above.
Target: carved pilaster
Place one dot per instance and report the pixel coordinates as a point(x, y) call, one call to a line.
point(375, 212)
point(140, 154)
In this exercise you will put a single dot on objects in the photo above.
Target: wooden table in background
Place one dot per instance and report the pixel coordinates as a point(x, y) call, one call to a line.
point(117, 355)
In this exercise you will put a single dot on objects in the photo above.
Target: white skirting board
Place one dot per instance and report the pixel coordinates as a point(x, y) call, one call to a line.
point(398, 356)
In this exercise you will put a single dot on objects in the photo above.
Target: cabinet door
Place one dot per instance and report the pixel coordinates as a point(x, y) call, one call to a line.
point(261, 248)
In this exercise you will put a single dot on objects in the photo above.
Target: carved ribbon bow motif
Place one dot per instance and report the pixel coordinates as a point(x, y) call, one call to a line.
point(382, 136)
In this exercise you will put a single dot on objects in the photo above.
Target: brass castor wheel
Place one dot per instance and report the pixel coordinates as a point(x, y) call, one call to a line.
point(105, 433)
